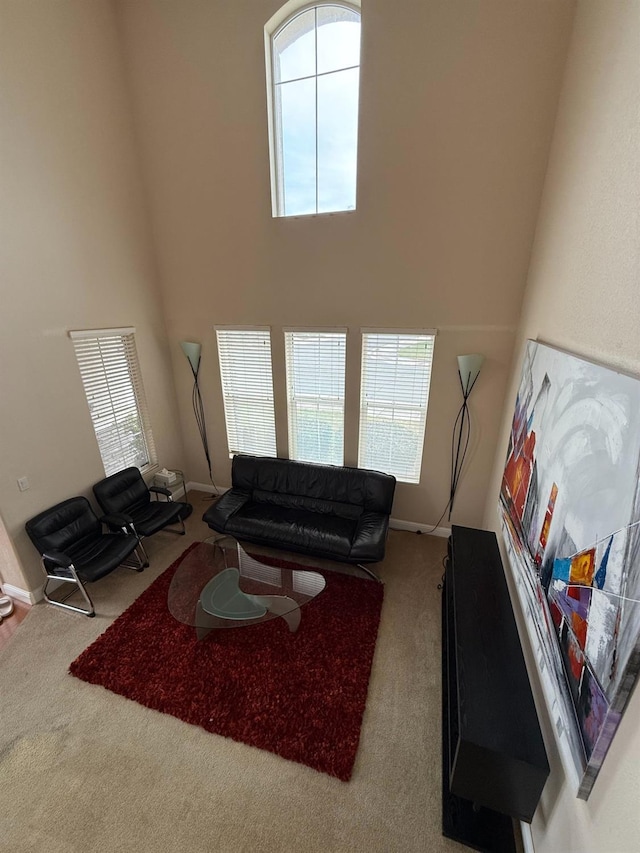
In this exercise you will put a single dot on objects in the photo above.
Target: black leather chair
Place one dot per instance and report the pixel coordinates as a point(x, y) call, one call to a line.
point(75, 550)
point(126, 493)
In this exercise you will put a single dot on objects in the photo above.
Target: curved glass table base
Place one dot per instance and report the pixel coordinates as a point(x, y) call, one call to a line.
point(277, 605)
point(218, 585)
point(222, 598)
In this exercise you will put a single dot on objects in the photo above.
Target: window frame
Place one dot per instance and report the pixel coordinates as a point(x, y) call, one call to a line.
point(231, 412)
point(273, 27)
point(393, 406)
point(88, 361)
point(332, 404)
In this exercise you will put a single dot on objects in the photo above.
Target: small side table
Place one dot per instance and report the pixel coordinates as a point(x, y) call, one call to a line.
point(178, 488)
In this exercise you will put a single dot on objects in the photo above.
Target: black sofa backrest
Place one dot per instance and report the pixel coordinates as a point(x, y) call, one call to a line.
point(355, 488)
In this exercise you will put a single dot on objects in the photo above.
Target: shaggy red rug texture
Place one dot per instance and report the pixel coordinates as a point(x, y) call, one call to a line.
point(299, 695)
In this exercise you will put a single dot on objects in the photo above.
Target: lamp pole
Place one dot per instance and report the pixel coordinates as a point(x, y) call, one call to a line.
point(468, 372)
point(193, 354)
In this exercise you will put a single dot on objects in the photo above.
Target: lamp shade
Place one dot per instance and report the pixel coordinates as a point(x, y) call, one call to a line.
point(192, 352)
point(469, 368)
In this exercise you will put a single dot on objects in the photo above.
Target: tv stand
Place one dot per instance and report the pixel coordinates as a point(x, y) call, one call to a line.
point(494, 760)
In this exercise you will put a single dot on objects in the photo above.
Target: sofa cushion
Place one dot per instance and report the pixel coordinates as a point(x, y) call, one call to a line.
point(319, 505)
point(369, 490)
point(298, 528)
point(326, 510)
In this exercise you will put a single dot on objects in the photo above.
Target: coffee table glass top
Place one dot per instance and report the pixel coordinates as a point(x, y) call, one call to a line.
point(218, 585)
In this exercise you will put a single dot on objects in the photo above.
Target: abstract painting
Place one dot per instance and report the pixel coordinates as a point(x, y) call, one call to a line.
point(570, 502)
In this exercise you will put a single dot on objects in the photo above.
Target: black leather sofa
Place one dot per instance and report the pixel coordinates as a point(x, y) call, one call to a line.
point(328, 511)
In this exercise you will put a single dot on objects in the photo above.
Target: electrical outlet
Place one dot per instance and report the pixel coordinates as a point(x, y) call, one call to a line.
point(23, 484)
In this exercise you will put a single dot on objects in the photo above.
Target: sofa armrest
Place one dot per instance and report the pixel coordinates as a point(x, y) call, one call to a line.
point(224, 508)
point(370, 538)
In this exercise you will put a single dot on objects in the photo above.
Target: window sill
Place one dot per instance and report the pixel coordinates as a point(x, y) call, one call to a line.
point(315, 215)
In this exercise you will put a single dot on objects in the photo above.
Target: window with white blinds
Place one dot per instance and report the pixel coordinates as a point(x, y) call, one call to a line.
point(315, 395)
point(112, 382)
point(396, 373)
point(247, 390)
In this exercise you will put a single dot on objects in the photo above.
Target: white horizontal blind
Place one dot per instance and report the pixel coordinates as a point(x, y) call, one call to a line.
point(315, 395)
point(247, 390)
point(112, 382)
point(396, 373)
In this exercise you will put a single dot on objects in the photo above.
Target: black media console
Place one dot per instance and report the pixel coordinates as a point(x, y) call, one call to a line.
point(494, 760)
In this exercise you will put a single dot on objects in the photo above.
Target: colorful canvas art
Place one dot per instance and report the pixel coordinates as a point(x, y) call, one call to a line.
point(570, 501)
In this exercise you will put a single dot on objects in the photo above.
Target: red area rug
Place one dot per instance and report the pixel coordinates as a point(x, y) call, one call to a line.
point(299, 695)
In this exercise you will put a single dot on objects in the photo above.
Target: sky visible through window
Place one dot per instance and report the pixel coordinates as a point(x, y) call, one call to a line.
point(316, 73)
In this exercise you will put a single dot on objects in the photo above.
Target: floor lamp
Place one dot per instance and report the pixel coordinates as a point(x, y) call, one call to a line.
point(468, 371)
point(192, 352)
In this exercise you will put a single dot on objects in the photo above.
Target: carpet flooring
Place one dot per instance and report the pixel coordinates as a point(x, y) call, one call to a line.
point(300, 695)
point(84, 771)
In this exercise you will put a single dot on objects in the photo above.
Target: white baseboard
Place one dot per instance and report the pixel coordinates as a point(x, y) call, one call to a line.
point(206, 487)
point(527, 837)
point(395, 523)
point(23, 595)
point(413, 527)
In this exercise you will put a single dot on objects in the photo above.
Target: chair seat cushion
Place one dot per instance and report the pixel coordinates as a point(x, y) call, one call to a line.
point(94, 558)
point(155, 515)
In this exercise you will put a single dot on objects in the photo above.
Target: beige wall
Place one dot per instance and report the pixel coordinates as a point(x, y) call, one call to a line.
point(583, 295)
point(457, 106)
point(457, 109)
point(76, 254)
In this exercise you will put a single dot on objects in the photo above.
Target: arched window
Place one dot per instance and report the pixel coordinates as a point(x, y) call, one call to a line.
point(313, 71)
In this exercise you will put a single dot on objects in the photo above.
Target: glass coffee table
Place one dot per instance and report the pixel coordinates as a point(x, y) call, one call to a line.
point(218, 585)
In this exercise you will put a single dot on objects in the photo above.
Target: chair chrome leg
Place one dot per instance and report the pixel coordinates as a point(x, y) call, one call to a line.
point(141, 557)
point(139, 554)
point(77, 583)
point(370, 572)
point(181, 532)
